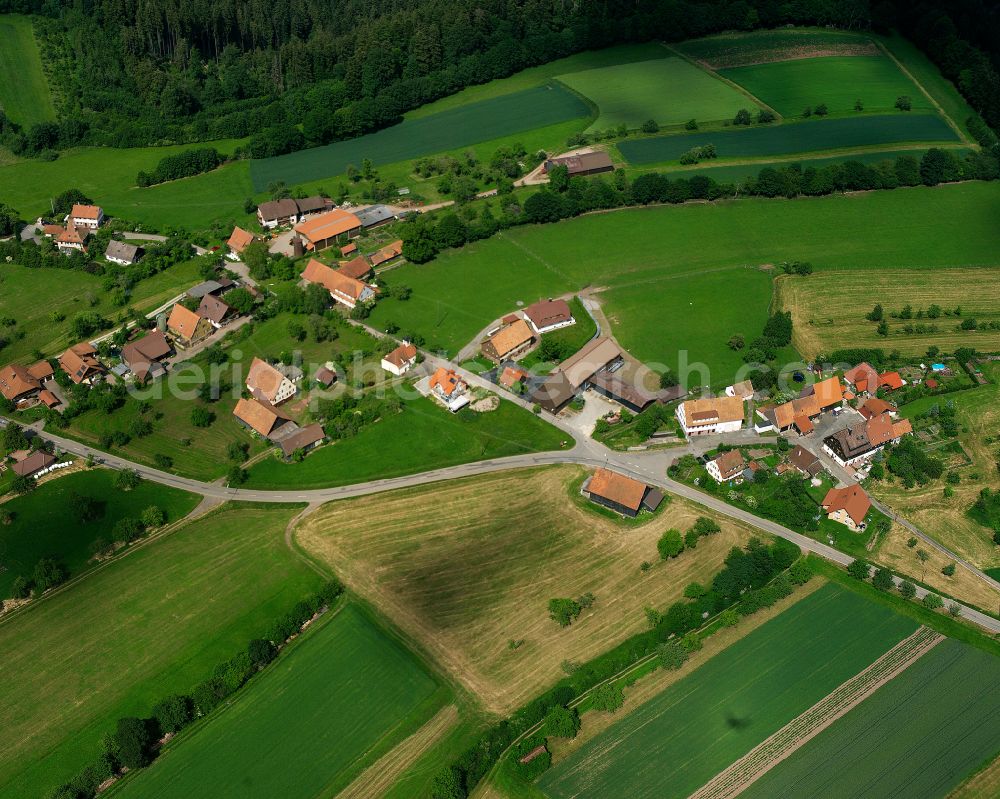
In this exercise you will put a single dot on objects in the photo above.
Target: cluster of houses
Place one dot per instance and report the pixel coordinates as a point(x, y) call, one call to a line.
point(77, 227)
point(188, 327)
point(518, 332)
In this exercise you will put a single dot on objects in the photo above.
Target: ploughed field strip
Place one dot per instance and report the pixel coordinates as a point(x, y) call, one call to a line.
point(762, 758)
point(764, 47)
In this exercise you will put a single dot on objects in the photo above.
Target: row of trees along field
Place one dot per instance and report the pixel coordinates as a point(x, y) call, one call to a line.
point(128, 73)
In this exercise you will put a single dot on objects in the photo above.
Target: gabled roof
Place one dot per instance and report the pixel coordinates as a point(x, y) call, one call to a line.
point(325, 376)
point(863, 377)
point(617, 488)
point(329, 225)
point(713, 410)
point(213, 309)
point(41, 370)
point(879, 429)
point(260, 416)
point(240, 239)
point(387, 253)
point(122, 250)
point(730, 463)
point(35, 462)
point(511, 338)
point(79, 362)
point(310, 205)
point(743, 390)
point(594, 356)
point(447, 380)
point(300, 439)
point(85, 212)
point(278, 209)
point(828, 392)
point(901, 428)
point(348, 248)
point(546, 313)
point(852, 499)
point(73, 235)
point(805, 461)
point(264, 380)
point(356, 268)
point(332, 280)
point(876, 407)
point(183, 322)
point(583, 162)
point(151, 347)
point(890, 380)
point(374, 214)
point(402, 355)
point(47, 398)
point(16, 381)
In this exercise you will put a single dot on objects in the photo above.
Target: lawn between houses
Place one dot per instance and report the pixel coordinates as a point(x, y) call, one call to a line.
point(312, 695)
point(155, 622)
point(687, 277)
point(45, 526)
point(467, 568)
point(422, 437)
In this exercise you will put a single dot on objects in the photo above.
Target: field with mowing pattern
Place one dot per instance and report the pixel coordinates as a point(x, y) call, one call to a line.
point(457, 127)
point(813, 135)
point(298, 731)
point(651, 259)
point(667, 90)
point(150, 624)
point(920, 734)
point(766, 46)
point(424, 436)
point(826, 314)
point(467, 566)
point(24, 91)
point(680, 739)
point(45, 525)
point(838, 82)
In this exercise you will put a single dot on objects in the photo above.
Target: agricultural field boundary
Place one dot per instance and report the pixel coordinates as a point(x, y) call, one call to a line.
point(782, 744)
point(719, 76)
point(962, 135)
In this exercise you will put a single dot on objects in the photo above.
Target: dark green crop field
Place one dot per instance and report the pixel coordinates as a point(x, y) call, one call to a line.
point(680, 739)
point(799, 137)
point(917, 736)
point(318, 716)
point(447, 130)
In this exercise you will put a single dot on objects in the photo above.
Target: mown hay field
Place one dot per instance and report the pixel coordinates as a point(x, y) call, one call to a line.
point(456, 127)
point(766, 46)
point(837, 82)
point(668, 90)
point(943, 517)
point(24, 92)
point(829, 308)
point(918, 735)
point(153, 623)
point(650, 258)
point(813, 135)
point(345, 693)
point(46, 525)
point(466, 567)
point(699, 725)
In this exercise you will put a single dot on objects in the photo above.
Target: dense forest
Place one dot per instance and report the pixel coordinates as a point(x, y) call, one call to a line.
point(295, 73)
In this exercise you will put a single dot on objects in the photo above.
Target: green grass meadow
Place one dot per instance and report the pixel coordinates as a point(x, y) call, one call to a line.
point(839, 81)
point(44, 525)
point(71, 292)
point(457, 127)
point(813, 135)
point(344, 694)
point(424, 436)
point(24, 92)
point(920, 734)
point(107, 175)
point(687, 277)
point(153, 623)
point(668, 90)
point(681, 738)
